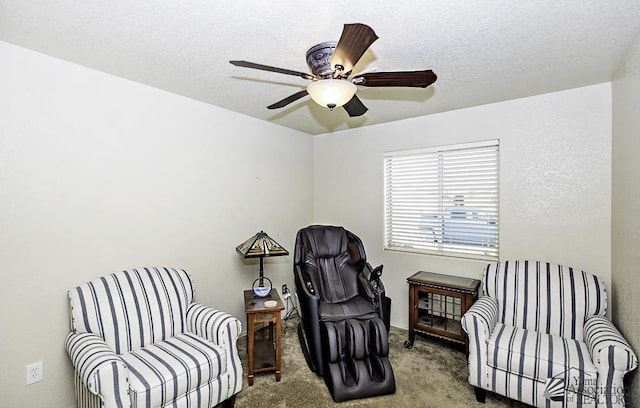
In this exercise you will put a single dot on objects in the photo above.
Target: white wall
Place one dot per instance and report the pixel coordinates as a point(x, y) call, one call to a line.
point(625, 232)
point(555, 188)
point(98, 174)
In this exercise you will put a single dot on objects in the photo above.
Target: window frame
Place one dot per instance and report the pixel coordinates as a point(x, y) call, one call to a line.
point(471, 214)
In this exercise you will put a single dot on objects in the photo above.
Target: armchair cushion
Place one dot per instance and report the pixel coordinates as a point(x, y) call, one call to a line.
point(159, 374)
point(537, 355)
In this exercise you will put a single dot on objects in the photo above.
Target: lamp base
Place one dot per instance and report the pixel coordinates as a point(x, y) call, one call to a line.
point(261, 287)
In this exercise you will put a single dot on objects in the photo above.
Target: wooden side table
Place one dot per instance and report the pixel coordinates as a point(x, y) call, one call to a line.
point(437, 303)
point(264, 354)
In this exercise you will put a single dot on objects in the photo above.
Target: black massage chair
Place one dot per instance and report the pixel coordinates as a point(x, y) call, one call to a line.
point(344, 313)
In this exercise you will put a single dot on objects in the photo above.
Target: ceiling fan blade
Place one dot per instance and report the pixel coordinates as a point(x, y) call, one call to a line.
point(355, 107)
point(291, 98)
point(354, 41)
point(417, 79)
point(253, 65)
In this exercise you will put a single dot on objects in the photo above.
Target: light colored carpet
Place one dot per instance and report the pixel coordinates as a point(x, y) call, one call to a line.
point(431, 374)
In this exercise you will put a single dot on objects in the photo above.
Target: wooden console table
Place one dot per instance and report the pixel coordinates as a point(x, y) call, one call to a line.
point(436, 305)
point(263, 354)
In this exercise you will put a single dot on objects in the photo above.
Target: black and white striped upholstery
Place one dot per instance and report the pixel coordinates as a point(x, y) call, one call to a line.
point(543, 297)
point(139, 340)
point(538, 324)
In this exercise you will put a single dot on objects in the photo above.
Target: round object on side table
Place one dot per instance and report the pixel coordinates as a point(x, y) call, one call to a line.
point(270, 303)
point(261, 287)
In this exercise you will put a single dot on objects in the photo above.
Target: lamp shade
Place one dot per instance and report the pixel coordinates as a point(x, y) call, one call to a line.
point(331, 93)
point(259, 246)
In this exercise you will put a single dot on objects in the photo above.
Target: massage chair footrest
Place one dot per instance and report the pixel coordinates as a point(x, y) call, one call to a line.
point(357, 363)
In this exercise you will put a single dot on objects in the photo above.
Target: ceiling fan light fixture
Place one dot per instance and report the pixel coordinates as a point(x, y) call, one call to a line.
point(332, 63)
point(331, 93)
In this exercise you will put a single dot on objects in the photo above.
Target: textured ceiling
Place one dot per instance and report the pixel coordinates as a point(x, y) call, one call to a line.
point(483, 51)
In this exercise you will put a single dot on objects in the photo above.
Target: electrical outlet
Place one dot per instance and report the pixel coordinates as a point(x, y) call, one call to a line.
point(285, 289)
point(35, 372)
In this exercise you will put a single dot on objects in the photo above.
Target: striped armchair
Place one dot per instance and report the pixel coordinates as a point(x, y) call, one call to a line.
point(538, 334)
point(139, 340)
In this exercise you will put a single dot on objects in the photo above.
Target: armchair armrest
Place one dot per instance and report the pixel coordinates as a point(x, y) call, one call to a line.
point(607, 346)
point(612, 356)
point(214, 325)
point(478, 322)
point(222, 329)
point(485, 310)
point(101, 370)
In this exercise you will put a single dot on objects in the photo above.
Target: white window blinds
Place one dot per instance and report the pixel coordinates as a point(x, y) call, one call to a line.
point(443, 200)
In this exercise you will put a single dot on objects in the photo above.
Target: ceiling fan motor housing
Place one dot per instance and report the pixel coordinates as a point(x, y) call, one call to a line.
point(319, 58)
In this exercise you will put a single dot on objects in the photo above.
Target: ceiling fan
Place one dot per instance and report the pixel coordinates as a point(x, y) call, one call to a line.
point(331, 64)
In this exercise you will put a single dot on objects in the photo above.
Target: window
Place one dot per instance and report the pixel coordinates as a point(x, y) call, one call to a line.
point(443, 200)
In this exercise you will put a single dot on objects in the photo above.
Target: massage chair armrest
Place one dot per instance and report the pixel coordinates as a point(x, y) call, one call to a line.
point(100, 369)
point(369, 281)
point(307, 297)
point(304, 285)
point(310, 318)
